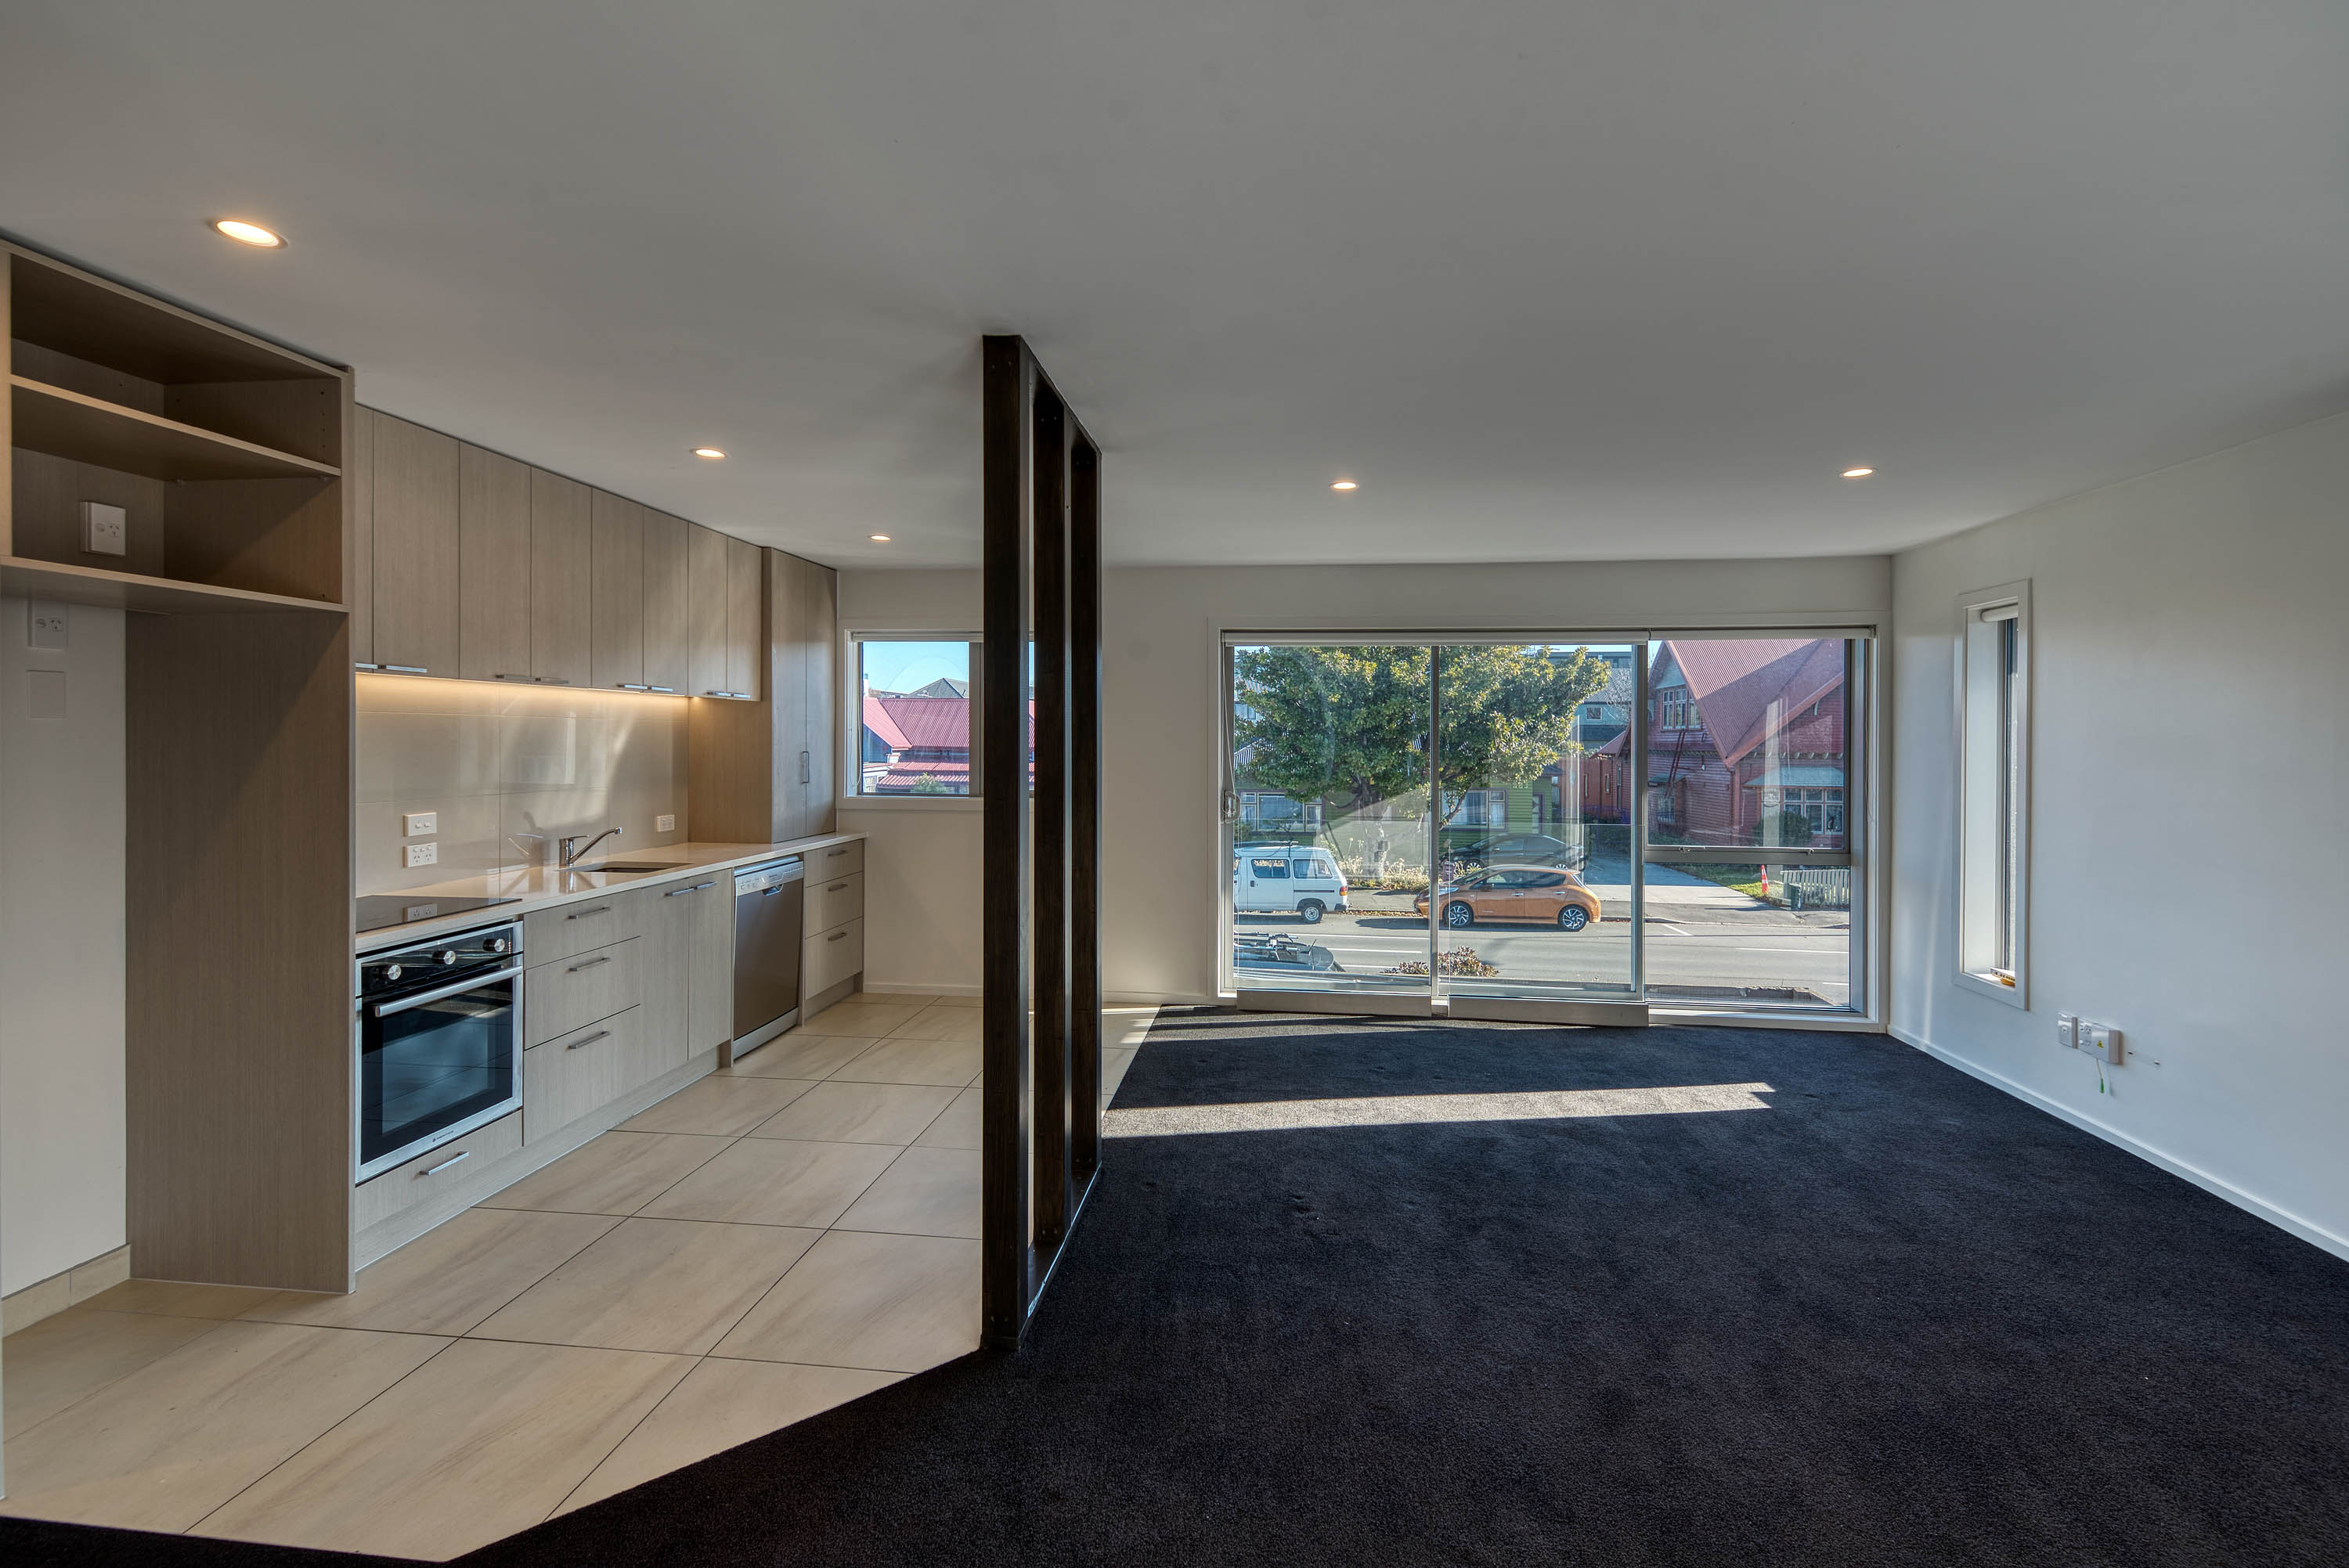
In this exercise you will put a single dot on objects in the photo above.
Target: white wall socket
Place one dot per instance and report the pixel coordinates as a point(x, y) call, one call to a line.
point(664, 824)
point(422, 822)
point(422, 855)
point(45, 623)
point(105, 529)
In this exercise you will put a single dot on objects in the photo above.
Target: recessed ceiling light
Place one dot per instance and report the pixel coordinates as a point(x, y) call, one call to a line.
point(1857, 473)
point(710, 452)
point(878, 538)
point(1344, 485)
point(246, 233)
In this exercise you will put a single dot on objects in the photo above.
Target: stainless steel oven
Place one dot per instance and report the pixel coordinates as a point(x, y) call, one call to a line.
point(439, 1034)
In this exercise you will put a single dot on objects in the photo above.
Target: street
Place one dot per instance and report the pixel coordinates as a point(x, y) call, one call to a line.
point(1704, 942)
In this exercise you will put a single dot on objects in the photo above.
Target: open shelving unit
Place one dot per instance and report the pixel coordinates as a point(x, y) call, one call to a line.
point(226, 453)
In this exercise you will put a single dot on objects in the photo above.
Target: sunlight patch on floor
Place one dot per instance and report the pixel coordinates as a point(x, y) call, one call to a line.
point(1408, 1109)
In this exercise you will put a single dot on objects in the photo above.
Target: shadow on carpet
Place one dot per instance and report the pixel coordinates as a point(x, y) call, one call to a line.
point(1401, 1292)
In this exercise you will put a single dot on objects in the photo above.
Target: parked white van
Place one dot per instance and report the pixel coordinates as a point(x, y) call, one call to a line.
point(1278, 879)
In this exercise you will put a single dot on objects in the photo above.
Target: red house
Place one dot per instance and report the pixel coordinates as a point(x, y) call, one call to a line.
point(1739, 730)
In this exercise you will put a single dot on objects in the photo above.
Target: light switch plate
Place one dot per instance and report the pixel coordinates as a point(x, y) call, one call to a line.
point(45, 623)
point(105, 529)
point(664, 824)
point(2068, 1030)
point(422, 855)
point(422, 822)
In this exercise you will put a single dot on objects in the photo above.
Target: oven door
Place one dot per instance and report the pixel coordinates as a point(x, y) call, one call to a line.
point(436, 1063)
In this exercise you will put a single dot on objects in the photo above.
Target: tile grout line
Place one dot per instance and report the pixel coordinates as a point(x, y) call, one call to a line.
point(217, 1323)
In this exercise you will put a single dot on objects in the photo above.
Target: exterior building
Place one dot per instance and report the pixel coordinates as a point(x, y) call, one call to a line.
point(918, 742)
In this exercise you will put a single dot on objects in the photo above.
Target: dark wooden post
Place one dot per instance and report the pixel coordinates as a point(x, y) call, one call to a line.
point(1050, 542)
point(1084, 810)
point(1007, 483)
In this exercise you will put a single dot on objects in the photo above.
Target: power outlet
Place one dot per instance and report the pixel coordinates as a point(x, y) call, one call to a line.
point(105, 529)
point(419, 823)
point(422, 855)
point(664, 824)
point(45, 623)
point(2068, 1030)
point(2101, 1041)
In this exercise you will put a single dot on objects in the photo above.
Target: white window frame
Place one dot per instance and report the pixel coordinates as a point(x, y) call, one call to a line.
point(852, 712)
point(1993, 793)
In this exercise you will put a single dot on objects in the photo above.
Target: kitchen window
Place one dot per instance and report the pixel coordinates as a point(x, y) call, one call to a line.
point(1993, 700)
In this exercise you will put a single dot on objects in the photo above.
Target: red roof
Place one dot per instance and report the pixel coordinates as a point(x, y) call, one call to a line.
point(877, 720)
point(1735, 681)
point(926, 722)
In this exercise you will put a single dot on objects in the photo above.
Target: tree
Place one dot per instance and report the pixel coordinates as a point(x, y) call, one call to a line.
point(1348, 724)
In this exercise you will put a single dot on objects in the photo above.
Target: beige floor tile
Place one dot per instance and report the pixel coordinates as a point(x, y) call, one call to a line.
point(721, 1105)
point(862, 1015)
point(775, 1182)
point(174, 1299)
point(894, 1303)
point(448, 1279)
point(1126, 1027)
point(162, 1448)
point(928, 1193)
point(617, 1173)
point(942, 1023)
point(668, 1285)
point(894, 999)
point(952, 1063)
point(78, 1351)
point(959, 1002)
point(799, 1055)
point(859, 1113)
point(483, 1441)
point(957, 1126)
point(722, 1405)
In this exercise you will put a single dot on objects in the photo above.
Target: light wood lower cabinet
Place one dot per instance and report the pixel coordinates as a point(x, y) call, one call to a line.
point(830, 957)
point(570, 929)
point(835, 903)
point(710, 998)
point(428, 1176)
point(574, 1074)
point(571, 992)
point(689, 966)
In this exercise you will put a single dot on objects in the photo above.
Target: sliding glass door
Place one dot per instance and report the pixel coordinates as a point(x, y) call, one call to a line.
point(1546, 826)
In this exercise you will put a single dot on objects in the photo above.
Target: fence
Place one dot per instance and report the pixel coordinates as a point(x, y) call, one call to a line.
point(1812, 887)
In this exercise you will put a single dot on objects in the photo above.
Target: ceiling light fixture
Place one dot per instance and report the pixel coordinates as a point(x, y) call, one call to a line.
point(710, 452)
point(878, 538)
point(1857, 473)
point(1345, 485)
point(246, 233)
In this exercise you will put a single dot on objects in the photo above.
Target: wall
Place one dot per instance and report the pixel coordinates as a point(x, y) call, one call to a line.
point(1161, 674)
point(61, 947)
point(2188, 618)
point(501, 762)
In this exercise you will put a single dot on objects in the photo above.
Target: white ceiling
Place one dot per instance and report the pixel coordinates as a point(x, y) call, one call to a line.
point(1552, 280)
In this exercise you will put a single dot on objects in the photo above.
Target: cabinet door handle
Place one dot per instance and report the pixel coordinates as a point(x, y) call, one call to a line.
point(591, 963)
point(551, 680)
point(583, 914)
point(408, 669)
point(696, 887)
point(833, 854)
point(589, 1040)
point(671, 690)
point(836, 887)
point(503, 676)
point(835, 936)
point(452, 1160)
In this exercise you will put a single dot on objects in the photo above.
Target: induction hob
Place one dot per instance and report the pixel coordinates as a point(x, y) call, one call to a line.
point(380, 911)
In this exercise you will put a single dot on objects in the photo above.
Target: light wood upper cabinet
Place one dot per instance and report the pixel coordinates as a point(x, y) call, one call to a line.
point(616, 619)
point(561, 579)
point(801, 594)
point(359, 595)
point(745, 617)
point(668, 649)
point(416, 562)
point(494, 571)
point(818, 633)
point(707, 599)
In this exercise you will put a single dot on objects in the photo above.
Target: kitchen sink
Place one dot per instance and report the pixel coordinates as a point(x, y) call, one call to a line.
point(634, 866)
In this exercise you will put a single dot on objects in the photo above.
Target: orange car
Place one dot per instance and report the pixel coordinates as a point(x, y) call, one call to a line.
point(1548, 894)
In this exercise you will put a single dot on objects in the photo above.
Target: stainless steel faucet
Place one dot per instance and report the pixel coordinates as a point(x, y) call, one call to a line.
point(569, 850)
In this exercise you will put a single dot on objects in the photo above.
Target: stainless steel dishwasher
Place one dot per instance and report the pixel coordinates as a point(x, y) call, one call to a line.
point(768, 903)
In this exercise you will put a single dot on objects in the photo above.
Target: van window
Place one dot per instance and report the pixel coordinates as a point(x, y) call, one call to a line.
point(1266, 868)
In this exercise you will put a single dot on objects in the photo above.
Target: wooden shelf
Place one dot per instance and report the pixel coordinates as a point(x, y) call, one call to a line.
point(91, 430)
point(24, 578)
point(80, 314)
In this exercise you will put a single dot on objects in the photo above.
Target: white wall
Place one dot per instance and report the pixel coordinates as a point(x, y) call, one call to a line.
point(1161, 666)
point(2190, 766)
point(61, 949)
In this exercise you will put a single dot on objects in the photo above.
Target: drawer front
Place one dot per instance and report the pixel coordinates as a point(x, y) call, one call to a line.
point(584, 1070)
point(428, 1175)
point(573, 929)
point(828, 959)
point(834, 902)
point(575, 992)
point(834, 862)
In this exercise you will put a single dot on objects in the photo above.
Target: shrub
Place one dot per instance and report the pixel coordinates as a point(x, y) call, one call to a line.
point(1793, 828)
point(1462, 963)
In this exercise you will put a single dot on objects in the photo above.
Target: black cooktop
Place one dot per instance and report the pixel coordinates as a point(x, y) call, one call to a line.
point(380, 911)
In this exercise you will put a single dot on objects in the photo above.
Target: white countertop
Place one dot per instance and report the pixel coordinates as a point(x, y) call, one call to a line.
point(542, 887)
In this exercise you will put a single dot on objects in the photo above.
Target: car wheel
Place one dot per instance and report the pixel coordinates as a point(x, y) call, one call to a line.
point(1574, 917)
point(1311, 911)
point(1459, 916)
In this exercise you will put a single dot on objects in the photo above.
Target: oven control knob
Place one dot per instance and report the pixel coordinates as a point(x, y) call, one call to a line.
point(498, 944)
point(391, 971)
point(448, 956)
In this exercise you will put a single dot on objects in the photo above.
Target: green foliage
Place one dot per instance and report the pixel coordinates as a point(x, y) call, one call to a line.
point(1348, 724)
point(928, 784)
point(1794, 830)
point(1462, 963)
